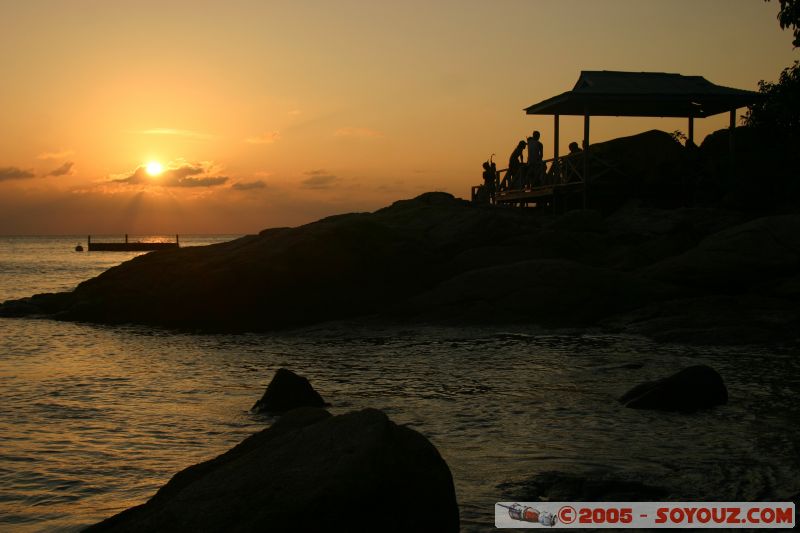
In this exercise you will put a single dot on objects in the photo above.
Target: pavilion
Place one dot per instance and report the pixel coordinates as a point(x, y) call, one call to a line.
point(633, 94)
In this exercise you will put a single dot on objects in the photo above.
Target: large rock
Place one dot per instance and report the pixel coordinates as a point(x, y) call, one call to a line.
point(439, 258)
point(714, 320)
point(288, 391)
point(336, 268)
point(308, 472)
point(737, 258)
point(550, 292)
point(650, 165)
point(693, 388)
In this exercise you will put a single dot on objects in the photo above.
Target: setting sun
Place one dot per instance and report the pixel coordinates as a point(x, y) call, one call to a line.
point(154, 168)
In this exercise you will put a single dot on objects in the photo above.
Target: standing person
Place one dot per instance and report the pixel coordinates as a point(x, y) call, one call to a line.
point(489, 179)
point(535, 160)
point(515, 166)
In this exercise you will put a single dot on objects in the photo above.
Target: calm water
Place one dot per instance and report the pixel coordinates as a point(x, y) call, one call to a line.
point(95, 418)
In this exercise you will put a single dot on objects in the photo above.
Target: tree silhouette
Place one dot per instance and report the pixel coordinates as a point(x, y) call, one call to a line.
point(789, 17)
point(780, 110)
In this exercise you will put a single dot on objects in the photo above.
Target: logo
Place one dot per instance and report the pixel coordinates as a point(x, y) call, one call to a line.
point(644, 515)
point(528, 514)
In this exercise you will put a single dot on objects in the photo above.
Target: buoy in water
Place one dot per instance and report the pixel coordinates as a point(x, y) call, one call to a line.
point(79, 248)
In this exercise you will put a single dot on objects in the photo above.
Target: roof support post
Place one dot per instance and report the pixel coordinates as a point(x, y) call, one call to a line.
point(556, 163)
point(585, 155)
point(690, 140)
point(732, 141)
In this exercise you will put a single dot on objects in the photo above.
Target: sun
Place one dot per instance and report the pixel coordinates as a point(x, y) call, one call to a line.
point(154, 168)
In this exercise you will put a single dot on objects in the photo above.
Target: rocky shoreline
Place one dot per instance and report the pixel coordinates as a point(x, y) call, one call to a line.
point(690, 275)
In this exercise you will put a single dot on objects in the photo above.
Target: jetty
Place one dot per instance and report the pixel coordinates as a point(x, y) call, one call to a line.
point(128, 246)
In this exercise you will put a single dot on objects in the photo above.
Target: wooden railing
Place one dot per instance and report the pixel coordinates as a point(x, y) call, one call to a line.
point(565, 171)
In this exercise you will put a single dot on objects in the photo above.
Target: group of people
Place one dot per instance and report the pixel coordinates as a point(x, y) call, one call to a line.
point(522, 172)
point(530, 173)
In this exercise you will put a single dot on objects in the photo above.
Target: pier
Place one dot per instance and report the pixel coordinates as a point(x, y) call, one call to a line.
point(130, 246)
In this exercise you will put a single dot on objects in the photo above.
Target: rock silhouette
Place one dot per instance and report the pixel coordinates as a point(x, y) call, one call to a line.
point(693, 388)
point(310, 471)
point(699, 275)
point(287, 391)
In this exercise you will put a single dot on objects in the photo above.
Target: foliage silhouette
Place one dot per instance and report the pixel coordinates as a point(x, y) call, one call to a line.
point(789, 17)
point(780, 110)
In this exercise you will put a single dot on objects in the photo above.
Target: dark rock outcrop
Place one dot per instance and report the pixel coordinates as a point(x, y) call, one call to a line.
point(698, 275)
point(287, 391)
point(693, 388)
point(310, 471)
point(651, 165)
point(723, 320)
point(737, 258)
point(549, 292)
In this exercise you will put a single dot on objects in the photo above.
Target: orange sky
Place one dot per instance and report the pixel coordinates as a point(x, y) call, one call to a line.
point(270, 113)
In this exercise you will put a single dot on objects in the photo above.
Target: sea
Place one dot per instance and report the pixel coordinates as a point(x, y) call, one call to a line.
point(94, 418)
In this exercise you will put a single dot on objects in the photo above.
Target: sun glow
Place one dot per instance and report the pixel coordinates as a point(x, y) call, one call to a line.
point(154, 168)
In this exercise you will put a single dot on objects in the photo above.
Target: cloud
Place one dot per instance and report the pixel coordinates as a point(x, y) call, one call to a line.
point(318, 179)
point(201, 182)
point(266, 138)
point(188, 134)
point(184, 175)
point(14, 173)
point(358, 133)
point(249, 185)
point(63, 170)
point(294, 112)
point(55, 155)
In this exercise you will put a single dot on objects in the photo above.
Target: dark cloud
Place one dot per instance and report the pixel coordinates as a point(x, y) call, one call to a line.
point(182, 176)
point(249, 185)
point(14, 173)
point(202, 182)
point(318, 179)
point(63, 170)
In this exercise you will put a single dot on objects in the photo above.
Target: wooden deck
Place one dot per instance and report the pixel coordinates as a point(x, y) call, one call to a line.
point(534, 194)
point(564, 183)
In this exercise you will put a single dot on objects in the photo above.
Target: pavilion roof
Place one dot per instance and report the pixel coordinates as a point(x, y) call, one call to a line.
point(644, 94)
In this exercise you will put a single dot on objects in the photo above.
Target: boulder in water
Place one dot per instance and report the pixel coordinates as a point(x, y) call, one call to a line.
point(310, 471)
point(693, 388)
point(288, 391)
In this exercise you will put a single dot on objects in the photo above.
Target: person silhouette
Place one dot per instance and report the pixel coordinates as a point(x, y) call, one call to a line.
point(489, 178)
point(535, 157)
point(515, 165)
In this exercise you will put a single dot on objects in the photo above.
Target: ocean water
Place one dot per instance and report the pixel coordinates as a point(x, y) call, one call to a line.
point(96, 418)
